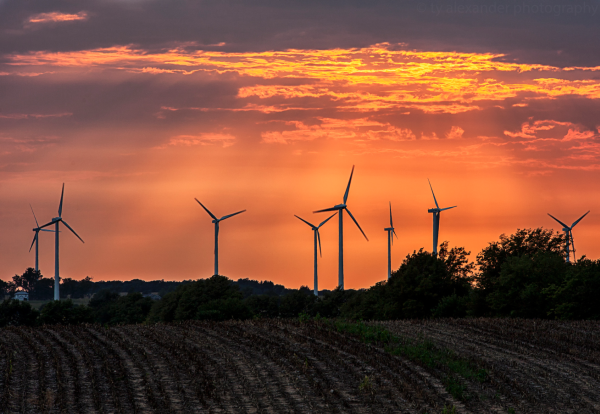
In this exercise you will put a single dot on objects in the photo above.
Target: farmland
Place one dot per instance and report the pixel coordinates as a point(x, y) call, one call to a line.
point(280, 366)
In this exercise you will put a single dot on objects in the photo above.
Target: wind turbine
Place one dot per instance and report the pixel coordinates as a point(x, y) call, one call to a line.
point(56, 221)
point(391, 233)
point(216, 221)
point(436, 219)
point(36, 239)
point(569, 235)
point(317, 238)
point(340, 209)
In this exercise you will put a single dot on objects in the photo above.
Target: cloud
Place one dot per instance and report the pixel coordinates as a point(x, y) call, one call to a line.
point(34, 116)
point(12, 145)
point(371, 78)
point(531, 130)
point(226, 140)
point(55, 17)
point(332, 128)
point(455, 133)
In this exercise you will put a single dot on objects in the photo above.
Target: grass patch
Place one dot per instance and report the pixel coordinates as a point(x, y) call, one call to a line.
point(422, 351)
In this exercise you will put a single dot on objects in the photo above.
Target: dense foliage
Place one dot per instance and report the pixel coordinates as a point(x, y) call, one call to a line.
point(522, 275)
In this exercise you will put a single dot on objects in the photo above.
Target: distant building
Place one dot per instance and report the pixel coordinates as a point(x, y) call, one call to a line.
point(21, 296)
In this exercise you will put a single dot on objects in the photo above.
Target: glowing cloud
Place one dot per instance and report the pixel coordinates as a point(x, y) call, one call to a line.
point(56, 17)
point(366, 79)
point(226, 140)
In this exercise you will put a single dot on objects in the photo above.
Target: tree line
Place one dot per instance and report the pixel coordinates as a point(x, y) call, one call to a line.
point(523, 275)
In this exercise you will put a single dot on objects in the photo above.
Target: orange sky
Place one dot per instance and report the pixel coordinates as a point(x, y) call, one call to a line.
point(136, 132)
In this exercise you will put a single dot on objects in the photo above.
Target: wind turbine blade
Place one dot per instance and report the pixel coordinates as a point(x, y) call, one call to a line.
point(36, 222)
point(319, 238)
point(61, 200)
point(394, 231)
point(325, 221)
point(356, 222)
point(34, 238)
point(209, 213)
point(231, 215)
point(573, 225)
point(573, 245)
point(46, 225)
point(69, 227)
point(305, 221)
point(327, 209)
point(348, 188)
point(447, 208)
point(49, 231)
point(563, 224)
point(391, 223)
point(391, 236)
point(436, 204)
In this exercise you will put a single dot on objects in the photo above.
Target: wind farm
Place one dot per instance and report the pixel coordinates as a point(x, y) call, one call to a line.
point(569, 249)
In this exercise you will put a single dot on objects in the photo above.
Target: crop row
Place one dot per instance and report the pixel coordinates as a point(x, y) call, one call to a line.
point(284, 366)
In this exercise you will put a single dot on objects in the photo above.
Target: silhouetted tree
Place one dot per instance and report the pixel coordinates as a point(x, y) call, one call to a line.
point(28, 280)
point(518, 291)
point(296, 302)
point(416, 288)
point(491, 259)
point(64, 312)
point(576, 296)
point(266, 306)
point(215, 298)
point(17, 313)
point(76, 288)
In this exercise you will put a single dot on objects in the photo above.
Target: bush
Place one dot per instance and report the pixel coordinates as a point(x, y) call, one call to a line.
point(452, 306)
point(263, 305)
point(215, 298)
point(17, 313)
point(518, 291)
point(64, 312)
point(576, 296)
point(297, 302)
point(491, 260)
point(110, 308)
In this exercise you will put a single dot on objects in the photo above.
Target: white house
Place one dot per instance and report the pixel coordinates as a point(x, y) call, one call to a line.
point(21, 296)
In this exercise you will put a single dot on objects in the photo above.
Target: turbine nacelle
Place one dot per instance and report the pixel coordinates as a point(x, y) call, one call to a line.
point(55, 219)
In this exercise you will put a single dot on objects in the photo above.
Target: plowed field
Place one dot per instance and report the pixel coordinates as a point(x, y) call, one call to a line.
point(281, 366)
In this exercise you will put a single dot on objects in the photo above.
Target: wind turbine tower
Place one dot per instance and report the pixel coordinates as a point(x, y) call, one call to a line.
point(36, 239)
point(391, 233)
point(317, 237)
point(436, 219)
point(569, 236)
point(56, 221)
point(340, 208)
point(216, 221)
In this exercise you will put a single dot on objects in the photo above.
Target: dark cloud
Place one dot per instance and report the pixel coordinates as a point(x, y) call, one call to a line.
point(555, 32)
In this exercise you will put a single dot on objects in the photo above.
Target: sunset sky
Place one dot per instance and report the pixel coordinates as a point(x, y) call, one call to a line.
point(141, 106)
